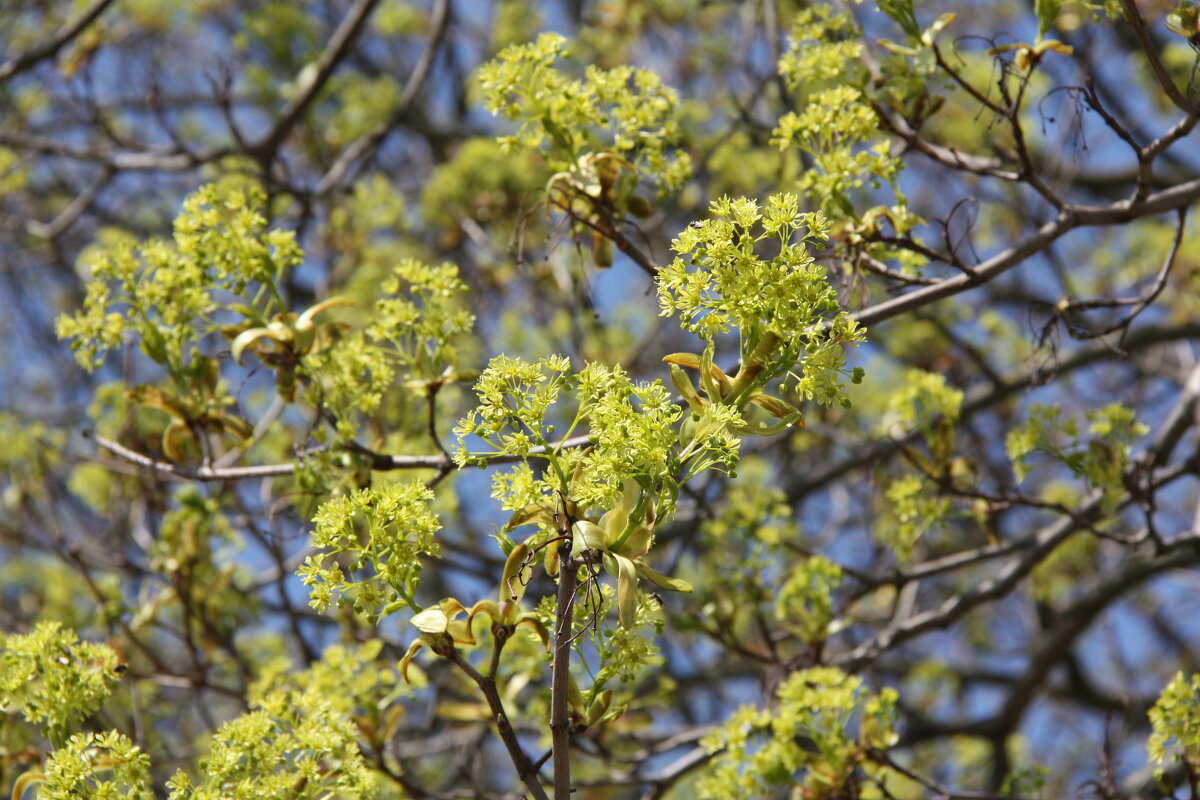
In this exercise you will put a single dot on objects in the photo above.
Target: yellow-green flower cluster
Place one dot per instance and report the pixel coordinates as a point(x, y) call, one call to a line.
point(295, 745)
point(1175, 720)
point(1100, 458)
point(424, 316)
point(915, 509)
point(98, 766)
point(721, 280)
point(823, 47)
point(165, 293)
point(51, 677)
point(805, 603)
point(632, 424)
point(416, 330)
point(750, 267)
point(807, 739)
point(626, 111)
point(922, 398)
point(834, 123)
point(514, 398)
point(371, 541)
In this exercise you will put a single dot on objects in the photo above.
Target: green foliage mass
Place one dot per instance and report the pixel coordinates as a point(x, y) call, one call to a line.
point(1100, 456)
point(165, 294)
point(293, 744)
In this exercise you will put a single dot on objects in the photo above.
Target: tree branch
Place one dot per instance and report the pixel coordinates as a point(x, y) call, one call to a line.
point(336, 50)
point(1068, 219)
point(1134, 15)
point(997, 585)
point(524, 765)
point(560, 719)
point(51, 230)
point(981, 397)
point(1070, 623)
point(379, 461)
point(340, 170)
point(50, 47)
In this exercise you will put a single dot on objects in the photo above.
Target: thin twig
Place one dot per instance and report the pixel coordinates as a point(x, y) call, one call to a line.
point(378, 461)
point(51, 230)
point(50, 47)
point(1067, 220)
point(336, 49)
point(1140, 303)
point(525, 767)
point(341, 170)
point(1134, 15)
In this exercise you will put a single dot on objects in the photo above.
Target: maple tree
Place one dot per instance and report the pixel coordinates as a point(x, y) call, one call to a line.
point(653, 398)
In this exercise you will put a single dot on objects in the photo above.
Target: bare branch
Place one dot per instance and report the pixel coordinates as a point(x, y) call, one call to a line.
point(1134, 15)
point(1067, 220)
point(998, 584)
point(50, 230)
point(336, 50)
point(50, 47)
point(340, 170)
point(378, 461)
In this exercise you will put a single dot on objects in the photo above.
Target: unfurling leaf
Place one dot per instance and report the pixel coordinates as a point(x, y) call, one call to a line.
point(173, 439)
point(517, 574)
point(587, 536)
point(663, 581)
point(602, 250)
point(683, 385)
point(626, 589)
point(779, 408)
point(689, 360)
point(532, 621)
point(534, 513)
point(413, 649)
point(437, 619)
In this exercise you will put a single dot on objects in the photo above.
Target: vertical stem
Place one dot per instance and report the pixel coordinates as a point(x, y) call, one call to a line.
point(560, 721)
point(527, 771)
point(768, 343)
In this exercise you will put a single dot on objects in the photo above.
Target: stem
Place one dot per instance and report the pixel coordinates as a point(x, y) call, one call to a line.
point(557, 451)
point(526, 770)
point(768, 343)
point(560, 722)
